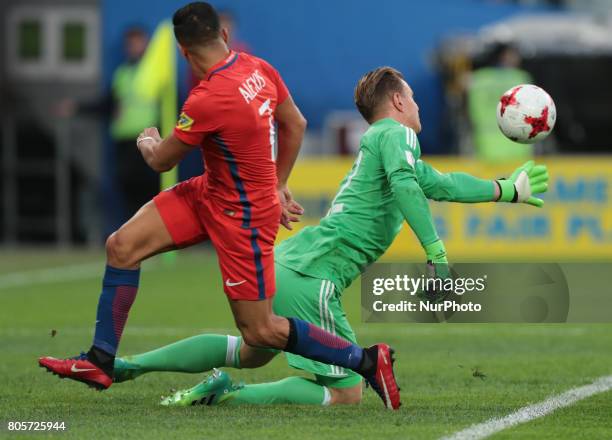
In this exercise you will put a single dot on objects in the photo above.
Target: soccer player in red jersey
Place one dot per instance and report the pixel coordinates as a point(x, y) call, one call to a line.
point(237, 204)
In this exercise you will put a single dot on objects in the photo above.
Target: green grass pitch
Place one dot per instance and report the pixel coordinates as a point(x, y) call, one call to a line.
point(523, 364)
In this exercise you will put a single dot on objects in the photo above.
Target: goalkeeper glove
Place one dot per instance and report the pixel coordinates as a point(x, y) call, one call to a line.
point(437, 267)
point(525, 181)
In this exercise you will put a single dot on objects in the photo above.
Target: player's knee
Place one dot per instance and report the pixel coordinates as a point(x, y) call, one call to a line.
point(261, 336)
point(346, 396)
point(253, 337)
point(119, 250)
point(263, 333)
point(249, 336)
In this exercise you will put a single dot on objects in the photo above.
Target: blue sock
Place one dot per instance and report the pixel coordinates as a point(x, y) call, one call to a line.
point(119, 288)
point(314, 343)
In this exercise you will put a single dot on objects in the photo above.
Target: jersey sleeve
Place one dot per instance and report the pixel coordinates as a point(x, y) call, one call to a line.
point(282, 92)
point(196, 120)
point(453, 187)
point(399, 152)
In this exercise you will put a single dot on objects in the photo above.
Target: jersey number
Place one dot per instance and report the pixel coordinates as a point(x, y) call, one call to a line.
point(266, 111)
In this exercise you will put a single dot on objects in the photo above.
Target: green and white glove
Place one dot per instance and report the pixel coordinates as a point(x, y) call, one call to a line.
point(525, 181)
point(436, 252)
point(437, 267)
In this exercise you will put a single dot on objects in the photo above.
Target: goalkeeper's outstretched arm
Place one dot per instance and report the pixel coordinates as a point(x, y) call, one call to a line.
point(525, 181)
point(455, 186)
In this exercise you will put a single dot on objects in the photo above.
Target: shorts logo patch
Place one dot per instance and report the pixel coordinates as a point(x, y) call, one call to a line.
point(185, 122)
point(228, 283)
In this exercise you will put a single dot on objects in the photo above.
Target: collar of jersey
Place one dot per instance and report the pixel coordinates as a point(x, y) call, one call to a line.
point(223, 64)
point(385, 121)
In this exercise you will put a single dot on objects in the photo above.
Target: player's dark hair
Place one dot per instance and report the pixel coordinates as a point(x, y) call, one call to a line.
point(374, 87)
point(196, 24)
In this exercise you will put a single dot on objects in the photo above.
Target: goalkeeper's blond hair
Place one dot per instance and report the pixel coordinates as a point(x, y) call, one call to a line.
point(374, 87)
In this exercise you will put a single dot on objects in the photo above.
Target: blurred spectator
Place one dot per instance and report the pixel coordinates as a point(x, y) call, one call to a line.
point(128, 115)
point(487, 85)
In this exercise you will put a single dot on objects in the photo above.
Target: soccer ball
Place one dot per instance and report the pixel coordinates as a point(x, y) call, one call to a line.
point(526, 114)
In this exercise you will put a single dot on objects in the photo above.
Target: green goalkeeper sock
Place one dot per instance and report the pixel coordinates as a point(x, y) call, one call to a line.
point(291, 390)
point(192, 355)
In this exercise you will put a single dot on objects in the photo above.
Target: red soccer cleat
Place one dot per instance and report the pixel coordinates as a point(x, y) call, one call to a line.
point(79, 369)
point(383, 381)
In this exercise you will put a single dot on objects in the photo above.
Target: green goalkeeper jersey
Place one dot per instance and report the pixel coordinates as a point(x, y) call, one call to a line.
point(387, 184)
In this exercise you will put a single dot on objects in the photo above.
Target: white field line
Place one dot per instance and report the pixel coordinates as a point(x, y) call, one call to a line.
point(58, 274)
point(531, 412)
point(51, 275)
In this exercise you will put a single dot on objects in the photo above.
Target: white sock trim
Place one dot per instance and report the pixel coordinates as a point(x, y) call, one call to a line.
point(326, 397)
point(230, 354)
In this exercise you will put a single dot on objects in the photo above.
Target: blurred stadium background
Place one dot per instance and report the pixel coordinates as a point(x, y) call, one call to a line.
point(70, 174)
point(71, 105)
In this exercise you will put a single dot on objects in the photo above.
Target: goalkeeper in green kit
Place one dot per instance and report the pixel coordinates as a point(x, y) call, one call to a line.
point(387, 185)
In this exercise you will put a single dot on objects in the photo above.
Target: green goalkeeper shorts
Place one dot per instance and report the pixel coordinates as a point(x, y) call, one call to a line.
point(318, 302)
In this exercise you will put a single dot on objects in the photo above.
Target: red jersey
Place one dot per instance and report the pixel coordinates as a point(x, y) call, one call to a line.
point(230, 115)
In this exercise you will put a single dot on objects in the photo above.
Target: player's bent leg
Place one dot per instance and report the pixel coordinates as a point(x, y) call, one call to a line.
point(246, 259)
point(218, 388)
point(145, 234)
point(141, 237)
point(197, 354)
point(258, 325)
point(261, 328)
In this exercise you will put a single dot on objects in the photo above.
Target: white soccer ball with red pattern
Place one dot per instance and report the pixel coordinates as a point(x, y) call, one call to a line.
point(526, 114)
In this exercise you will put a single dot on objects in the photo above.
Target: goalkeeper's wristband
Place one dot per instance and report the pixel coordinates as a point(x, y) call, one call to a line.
point(436, 253)
point(507, 191)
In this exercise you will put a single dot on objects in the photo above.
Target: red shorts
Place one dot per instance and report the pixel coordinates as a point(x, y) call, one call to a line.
point(246, 255)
